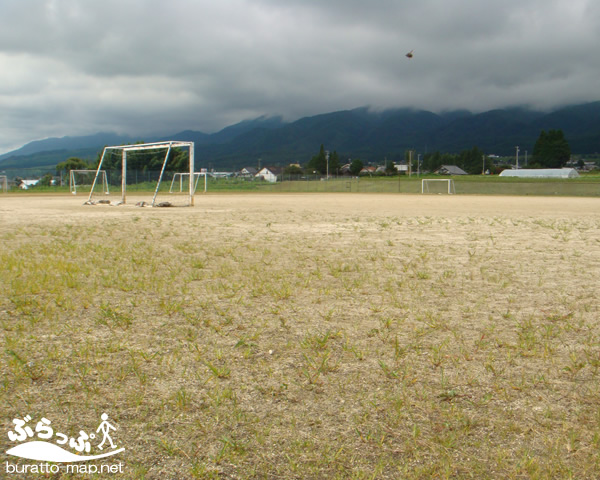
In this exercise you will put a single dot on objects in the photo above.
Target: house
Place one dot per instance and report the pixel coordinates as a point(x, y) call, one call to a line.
point(270, 174)
point(369, 170)
point(26, 184)
point(450, 170)
point(345, 169)
point(247, 172)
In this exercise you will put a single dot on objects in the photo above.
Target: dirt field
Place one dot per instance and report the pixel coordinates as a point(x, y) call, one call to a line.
point(309, 335)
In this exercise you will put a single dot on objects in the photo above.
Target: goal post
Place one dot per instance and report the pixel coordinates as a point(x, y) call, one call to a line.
point(437, 185)
point(3, 183)
point(182, 177)
point(82, 178)
point(125, 150)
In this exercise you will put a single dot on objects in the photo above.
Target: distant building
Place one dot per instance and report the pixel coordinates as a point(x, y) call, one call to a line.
point(27, 184)
point(369, 170)
point(248, 172)
point(541, 173)
point(270, 174)
point(450, 170)
point(345, 169)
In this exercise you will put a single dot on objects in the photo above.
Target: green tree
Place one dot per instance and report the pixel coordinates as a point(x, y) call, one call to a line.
point(334, 163)
point(72, 163)
point(471, 161)
point(551, 150)
point(292, 170)
point(432, 161)
point(318, 163)
point(46, 180)
point(390, 168)
point(356, 166)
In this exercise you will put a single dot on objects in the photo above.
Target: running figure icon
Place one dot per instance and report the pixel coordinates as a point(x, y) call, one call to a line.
point(105, 428)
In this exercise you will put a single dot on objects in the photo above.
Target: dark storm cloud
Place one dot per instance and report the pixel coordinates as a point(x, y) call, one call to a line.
point(139, 66)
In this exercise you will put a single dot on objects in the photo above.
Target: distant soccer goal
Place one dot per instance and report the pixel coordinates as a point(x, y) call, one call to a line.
point(437, 185)
point(3, 183)
point(181, 179)
point(144, 157)
point(84, 179)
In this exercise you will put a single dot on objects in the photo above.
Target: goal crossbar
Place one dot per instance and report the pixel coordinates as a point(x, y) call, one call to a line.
point(168, 145)
point(425, 184)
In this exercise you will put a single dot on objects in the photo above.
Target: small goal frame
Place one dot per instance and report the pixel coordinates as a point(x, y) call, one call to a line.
point(181, 176)
point(3, 183)
point(449, 181)
point(73, 181)
point(166, 145)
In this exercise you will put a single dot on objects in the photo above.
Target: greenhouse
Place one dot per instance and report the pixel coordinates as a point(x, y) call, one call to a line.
point(541, 173)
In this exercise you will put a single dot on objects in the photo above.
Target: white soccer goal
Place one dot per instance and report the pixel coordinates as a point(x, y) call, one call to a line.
point(437, 185)
point(183, 178)
point(85, 178)
point(3, 183)
point(167, 147)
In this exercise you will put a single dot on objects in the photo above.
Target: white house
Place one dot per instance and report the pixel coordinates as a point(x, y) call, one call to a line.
point(247, 172)
point(25, 184)
point(270, 174)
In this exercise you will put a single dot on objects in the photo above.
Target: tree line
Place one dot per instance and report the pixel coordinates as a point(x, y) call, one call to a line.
point(551, 150)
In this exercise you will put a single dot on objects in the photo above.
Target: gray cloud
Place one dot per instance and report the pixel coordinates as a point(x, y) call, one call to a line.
point(142, 66)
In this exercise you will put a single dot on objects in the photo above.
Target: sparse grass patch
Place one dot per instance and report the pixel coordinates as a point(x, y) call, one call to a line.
point(312, 339)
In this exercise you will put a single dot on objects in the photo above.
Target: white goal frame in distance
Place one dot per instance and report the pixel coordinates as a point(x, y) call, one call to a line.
point(186, 174)
point(73, 182)
point(147, 146)
point(3, 183)
point(425, 181)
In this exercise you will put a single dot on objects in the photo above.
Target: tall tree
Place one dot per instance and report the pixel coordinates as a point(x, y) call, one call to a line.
point(356, 166)
point(471, 160)
point(318, 163)
point(72, 163)
point(334, 163)
point(551, 150)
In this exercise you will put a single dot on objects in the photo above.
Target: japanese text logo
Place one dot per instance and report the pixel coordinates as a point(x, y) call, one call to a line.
point(43, 443)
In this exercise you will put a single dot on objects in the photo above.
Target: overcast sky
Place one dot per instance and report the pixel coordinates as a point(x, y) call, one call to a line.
point(77, 67)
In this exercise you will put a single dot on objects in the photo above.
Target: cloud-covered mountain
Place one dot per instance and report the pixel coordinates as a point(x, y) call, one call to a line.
point(363, 133)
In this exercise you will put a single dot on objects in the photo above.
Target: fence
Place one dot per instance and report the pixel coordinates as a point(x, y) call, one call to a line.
point(145, 181)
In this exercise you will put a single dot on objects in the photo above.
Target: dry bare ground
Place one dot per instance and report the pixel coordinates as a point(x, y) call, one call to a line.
point(309, 336)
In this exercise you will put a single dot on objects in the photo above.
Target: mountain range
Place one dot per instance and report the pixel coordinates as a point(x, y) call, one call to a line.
point(358, 133)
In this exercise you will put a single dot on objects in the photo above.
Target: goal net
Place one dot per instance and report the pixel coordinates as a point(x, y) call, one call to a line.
point(84, 179)
point(144, 172)
point(3, 183)
point(437, 185)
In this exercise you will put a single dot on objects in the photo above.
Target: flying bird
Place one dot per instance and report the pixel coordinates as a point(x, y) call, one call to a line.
point(410, 54)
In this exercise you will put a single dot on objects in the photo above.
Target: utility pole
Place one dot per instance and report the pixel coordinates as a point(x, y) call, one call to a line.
point(517, 163)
